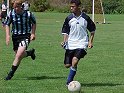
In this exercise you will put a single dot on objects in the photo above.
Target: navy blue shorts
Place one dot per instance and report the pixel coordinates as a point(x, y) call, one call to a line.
point(69, 54)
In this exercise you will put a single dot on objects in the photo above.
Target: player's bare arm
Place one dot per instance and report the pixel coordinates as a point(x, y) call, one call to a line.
point(33, 32)
point(7, 35)
point(90, 43)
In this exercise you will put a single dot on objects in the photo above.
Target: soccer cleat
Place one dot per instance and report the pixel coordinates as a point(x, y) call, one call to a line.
point(9, 76)
point(33, 54)
point(67, 83)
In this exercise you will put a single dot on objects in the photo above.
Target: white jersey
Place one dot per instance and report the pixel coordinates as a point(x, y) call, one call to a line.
point(26, 5)
point(76, 29)
point(4, 8)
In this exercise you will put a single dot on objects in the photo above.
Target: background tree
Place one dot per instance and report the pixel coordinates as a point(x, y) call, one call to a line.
point(110, 6)
point(39, 5)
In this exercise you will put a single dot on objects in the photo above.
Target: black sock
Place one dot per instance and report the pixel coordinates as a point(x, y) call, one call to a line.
point(13, 69)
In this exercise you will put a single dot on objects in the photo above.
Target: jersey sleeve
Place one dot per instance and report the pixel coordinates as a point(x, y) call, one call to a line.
point(32, 18)
point(91, 26)
point(66, 27)
point(8, 20)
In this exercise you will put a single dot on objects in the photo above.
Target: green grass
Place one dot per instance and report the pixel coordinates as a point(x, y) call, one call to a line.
point(101, 71)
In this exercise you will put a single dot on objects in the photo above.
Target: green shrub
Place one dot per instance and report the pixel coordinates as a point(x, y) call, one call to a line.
point(39, 5)
point(64, 9)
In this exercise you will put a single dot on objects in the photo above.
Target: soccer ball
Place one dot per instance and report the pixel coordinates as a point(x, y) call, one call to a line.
point(74, 86)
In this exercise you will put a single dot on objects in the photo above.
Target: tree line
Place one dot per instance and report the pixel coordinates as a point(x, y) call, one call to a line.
point(109, 6)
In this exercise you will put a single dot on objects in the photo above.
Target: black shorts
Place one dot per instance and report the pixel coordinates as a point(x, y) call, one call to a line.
point(20, 40)
point(3, 14)
point(69, 54)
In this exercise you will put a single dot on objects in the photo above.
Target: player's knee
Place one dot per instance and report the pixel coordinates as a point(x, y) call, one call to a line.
point(18, 56)
point(67, 65)
point(75, 59)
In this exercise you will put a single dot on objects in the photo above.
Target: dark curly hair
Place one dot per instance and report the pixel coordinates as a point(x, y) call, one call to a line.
point(77, 2)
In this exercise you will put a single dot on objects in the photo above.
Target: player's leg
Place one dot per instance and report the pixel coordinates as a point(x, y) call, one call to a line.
point(73, 69)
point(78, 53)
point(31, 53)
point(68, 58)
point(20, 53)
point(25, 42)
point(68, 62)
point(3, 17)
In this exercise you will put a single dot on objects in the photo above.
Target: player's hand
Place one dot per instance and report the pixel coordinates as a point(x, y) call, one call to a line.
point(32, 37)
point(90, 45)
point(7, 40)
point(63, 44)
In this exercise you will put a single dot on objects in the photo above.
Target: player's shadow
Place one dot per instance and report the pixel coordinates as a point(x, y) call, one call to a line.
point(44, 77)
point(99, 84)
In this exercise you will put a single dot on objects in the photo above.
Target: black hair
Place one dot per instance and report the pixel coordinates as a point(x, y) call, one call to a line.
point(77, 2)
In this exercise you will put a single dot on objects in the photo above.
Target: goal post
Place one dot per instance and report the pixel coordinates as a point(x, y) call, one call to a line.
point(98, 15)
point(93, 10)
point(7, 6)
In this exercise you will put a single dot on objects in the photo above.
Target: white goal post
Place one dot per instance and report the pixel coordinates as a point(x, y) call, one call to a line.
point(102, 15)
point(7, 6)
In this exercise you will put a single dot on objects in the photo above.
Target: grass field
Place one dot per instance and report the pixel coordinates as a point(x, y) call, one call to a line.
point(101, 71)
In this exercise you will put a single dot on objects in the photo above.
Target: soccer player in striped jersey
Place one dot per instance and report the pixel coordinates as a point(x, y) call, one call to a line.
point(23, 31)
point(75, 37)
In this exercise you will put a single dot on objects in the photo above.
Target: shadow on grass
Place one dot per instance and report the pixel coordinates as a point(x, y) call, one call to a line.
point(44, 77)
point(99, 84)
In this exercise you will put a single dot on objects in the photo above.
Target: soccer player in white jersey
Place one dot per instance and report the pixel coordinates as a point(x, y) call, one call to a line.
point(75, 37)
point(26, 5)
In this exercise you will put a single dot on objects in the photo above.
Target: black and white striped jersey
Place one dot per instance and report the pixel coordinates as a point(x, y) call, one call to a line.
point(21, 23)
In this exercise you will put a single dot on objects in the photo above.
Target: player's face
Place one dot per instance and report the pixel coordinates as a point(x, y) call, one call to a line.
point(17, 8)
point(74, 8)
